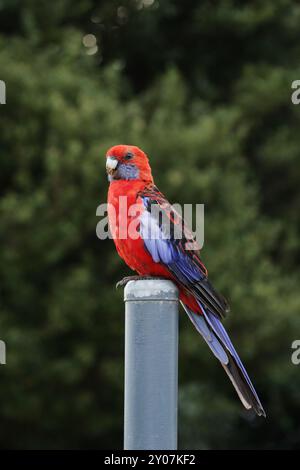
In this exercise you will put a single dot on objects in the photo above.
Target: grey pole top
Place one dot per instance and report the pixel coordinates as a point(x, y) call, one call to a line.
point(151, 365)
point(152, 289)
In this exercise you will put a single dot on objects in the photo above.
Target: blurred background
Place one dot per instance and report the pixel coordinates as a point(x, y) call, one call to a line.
point(204, 87)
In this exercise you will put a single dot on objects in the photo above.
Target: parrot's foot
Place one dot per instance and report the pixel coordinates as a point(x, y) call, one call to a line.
point(127, 279)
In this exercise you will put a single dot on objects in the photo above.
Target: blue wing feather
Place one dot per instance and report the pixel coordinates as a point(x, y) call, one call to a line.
point(159, 237)
point(187, 269)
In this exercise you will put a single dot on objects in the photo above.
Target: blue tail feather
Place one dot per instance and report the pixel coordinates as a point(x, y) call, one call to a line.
point(215, 335)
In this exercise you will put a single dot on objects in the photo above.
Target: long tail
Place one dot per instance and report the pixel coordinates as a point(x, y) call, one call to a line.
point(215, 335)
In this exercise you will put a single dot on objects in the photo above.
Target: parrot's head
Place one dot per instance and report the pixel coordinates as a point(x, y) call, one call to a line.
point(127, 162)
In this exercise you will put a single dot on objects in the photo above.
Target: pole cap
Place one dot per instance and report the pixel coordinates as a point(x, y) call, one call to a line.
point(150, 289)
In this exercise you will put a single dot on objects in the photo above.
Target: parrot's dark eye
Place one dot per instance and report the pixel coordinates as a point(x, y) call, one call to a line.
point(128, 156)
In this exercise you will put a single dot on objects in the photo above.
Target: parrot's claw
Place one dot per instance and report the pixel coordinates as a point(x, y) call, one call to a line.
point(127, 279)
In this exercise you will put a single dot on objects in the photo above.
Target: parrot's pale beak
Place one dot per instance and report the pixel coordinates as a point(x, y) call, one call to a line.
point(111, 165)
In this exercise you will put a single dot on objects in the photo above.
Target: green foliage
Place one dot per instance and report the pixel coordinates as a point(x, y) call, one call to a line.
point(204, 88)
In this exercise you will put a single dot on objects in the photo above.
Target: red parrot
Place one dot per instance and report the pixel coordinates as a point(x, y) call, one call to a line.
point(167, 257)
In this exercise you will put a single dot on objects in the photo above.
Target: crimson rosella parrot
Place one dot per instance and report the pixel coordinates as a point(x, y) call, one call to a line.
point(130, 177)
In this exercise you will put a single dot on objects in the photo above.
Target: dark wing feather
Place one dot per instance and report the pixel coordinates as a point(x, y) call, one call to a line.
point(165, 223)
point(187, 267)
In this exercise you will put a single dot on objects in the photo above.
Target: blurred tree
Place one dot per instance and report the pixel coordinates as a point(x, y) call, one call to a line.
point(204, 88)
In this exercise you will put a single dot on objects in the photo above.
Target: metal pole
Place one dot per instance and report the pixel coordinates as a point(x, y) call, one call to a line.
point(151, 365)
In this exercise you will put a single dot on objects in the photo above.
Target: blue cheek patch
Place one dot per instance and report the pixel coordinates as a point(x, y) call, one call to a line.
point(127, 172)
